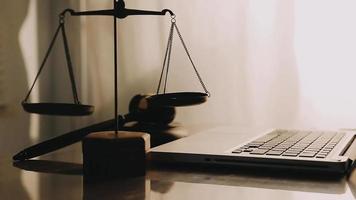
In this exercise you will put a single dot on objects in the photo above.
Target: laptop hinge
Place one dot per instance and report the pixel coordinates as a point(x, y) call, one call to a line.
point(350, 151)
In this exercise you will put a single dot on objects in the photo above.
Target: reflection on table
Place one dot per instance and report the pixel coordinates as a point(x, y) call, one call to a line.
point(64, 180)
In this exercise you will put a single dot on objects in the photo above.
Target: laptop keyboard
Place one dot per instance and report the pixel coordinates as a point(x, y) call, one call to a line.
point(293, 143)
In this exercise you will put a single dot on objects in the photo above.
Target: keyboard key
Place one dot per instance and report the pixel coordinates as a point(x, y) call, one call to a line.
point(253, 145)
point(307, 155)
point(309, 151)
point(268, 145)
point(290, 154)
point(296, 148)
point(259, 151)
point(263, 147)
point(274, 153)
point(279, 149)
point(313, 148)
point(237, 151)
point(284, 146)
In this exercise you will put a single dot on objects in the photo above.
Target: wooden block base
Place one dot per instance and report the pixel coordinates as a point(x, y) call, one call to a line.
point(107, 155)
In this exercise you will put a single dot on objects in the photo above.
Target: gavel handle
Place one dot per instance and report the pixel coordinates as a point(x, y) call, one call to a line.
point(66, 139)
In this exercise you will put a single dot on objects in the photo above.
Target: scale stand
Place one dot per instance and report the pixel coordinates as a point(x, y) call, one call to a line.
point(118, 11)
point(108, 149)
point(158, 100)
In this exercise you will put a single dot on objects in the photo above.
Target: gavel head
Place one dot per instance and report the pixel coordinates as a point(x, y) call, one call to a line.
point(148, 112)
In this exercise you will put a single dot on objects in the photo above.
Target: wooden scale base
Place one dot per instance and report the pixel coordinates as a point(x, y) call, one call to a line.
point(109, 155)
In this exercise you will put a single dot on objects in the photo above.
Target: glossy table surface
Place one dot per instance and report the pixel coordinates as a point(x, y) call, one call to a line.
point(59, 176)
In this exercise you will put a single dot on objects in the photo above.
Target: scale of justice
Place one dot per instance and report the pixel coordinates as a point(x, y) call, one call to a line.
point(106, 150)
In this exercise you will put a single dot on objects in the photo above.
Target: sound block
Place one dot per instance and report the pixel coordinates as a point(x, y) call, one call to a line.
point(107, 155)
point(159, 133)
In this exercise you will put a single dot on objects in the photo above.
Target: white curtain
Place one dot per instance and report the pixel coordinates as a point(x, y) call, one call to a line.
point(270, 63)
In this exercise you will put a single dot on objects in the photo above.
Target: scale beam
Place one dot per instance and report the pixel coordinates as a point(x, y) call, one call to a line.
point(119, 11)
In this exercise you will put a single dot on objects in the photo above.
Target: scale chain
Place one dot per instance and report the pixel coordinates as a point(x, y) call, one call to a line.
point(168, 56)
point(190, 58)
point(165, 58)
point(69, 65)
point(168, 59)
point(43, 62)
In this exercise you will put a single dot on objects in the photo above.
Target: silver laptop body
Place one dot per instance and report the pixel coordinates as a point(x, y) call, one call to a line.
point(215, 147)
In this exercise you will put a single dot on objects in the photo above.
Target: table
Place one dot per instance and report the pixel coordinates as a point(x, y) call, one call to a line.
point(58, 176)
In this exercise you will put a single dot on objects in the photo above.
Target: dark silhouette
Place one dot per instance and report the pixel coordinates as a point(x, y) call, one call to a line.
point(154, 114)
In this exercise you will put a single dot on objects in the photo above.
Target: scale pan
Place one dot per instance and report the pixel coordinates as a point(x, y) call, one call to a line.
point(65, 109)
point(178, 99)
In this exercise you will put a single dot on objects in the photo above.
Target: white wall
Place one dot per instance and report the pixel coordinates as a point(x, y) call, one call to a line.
point(232, 44)
point(267, 64)
point(325, 50)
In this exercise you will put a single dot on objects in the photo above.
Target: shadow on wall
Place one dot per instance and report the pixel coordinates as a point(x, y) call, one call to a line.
point(14, 123)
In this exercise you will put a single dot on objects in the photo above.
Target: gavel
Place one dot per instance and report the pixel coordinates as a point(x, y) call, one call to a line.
point(155, 109)
point(141, 110)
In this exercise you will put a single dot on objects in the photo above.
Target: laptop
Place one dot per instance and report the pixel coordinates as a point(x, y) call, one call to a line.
point(280, 149)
